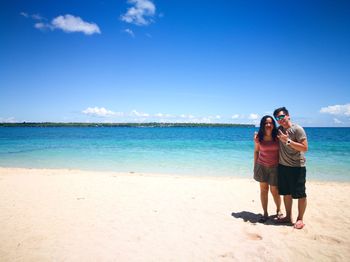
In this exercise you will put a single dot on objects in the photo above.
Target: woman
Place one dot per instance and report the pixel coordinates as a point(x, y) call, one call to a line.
point(265, 164)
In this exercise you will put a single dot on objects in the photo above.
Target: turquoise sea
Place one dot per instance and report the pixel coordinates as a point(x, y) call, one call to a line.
point(215, 151)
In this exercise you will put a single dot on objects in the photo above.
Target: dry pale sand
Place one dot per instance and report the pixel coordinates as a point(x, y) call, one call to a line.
point(69, 215)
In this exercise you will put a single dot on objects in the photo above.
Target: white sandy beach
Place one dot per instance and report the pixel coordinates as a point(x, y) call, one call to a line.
point(70, 215)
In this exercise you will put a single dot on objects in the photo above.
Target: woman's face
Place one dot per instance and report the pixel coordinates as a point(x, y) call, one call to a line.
point(269, 125)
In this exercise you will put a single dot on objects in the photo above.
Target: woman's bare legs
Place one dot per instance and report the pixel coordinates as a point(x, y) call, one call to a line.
point(264, 190)
point(276, 198)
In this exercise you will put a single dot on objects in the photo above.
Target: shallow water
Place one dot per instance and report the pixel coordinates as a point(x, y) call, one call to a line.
point(218, 151)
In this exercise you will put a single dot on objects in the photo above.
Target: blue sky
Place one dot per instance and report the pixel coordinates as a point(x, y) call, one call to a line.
point(174, 61)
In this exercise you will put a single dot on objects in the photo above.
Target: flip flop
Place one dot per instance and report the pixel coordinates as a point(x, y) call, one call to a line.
point(299, 224)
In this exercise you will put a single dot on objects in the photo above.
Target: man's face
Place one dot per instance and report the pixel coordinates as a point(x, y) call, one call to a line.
point(282, 118)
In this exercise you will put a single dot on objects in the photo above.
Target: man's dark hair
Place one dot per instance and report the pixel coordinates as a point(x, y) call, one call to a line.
point(275, 113)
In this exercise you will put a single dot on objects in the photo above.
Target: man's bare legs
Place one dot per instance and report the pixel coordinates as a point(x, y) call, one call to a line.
point(299, 224)
point(288, 201)
point(301, 208)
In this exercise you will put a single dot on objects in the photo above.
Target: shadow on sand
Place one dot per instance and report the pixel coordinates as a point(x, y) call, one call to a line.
point(255, 218)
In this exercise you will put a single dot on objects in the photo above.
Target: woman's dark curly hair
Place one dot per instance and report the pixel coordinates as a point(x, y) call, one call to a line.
point(261, 131)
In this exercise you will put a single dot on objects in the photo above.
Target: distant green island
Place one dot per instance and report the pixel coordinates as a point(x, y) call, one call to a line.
point(155, 124)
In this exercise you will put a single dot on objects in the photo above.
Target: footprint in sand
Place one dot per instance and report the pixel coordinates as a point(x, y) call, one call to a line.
point(229, 255)
point(327, 239)
point(254, 236)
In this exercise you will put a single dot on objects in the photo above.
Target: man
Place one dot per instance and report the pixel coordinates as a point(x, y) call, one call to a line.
point(291, 168)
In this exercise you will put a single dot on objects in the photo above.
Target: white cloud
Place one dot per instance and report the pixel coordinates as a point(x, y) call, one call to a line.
point(337, 110)
point(130, 32)
point(195, 119)
point(138, 114)
point(38, 25)
point(24, 14)
point(210, 118)
point(253, 116)
point(337, 121)
point(42, 26)
point(69, 23)
point(161, 115)
point(8, 120)
point(236, 116)
point(99, 111)
point(187, 116)
point(33, 16)
point(140, 13)
point(203, 120)
point(37, 17)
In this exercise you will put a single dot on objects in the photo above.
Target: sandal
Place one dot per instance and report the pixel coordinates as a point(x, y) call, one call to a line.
point(279, 215)
point(283, 220)
point(299, 224)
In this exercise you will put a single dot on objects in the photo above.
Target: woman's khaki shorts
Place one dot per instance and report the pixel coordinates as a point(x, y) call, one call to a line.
point(266, 174)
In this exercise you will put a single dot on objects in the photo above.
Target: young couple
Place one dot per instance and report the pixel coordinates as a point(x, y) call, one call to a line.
point(279, 164)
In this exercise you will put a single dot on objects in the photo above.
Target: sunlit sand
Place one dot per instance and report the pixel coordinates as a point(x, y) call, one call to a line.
point(71, 215)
